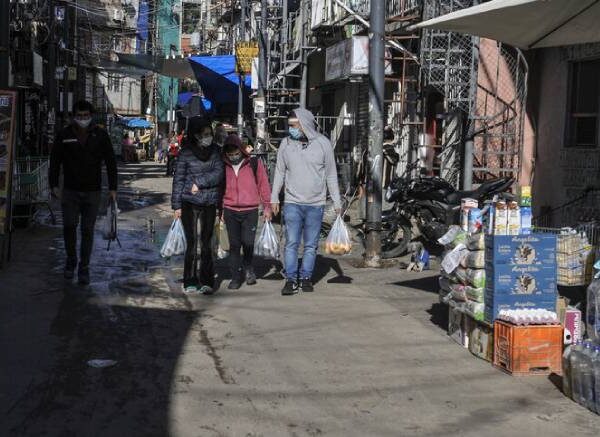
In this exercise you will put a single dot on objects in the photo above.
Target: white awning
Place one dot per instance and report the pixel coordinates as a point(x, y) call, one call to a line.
point(526, 24)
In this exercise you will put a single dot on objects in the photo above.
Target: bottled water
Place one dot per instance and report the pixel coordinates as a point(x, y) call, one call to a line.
point(596, 371)
point(592, 317)
point(574, 360)
point(566, 369)
point(586, 377)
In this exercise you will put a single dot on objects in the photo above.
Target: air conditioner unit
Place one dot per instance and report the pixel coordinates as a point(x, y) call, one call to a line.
point(118, 14)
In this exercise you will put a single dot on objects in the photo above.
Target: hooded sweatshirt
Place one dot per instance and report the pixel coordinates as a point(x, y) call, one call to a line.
point(306, 167)
point(244, 191)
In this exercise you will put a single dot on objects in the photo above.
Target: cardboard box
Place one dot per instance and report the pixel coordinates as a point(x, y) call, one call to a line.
point(481, 341)
point(494, 304)
point(505, 279)
point(521, 249)
point(459, 326)
point(572, 326)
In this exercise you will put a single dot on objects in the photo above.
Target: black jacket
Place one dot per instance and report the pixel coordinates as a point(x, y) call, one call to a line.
point(207, 174)
point(82, 163)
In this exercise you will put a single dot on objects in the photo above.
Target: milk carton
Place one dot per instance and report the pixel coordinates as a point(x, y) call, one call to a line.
point(526, 217)
point(514, 219)
point(500, 218)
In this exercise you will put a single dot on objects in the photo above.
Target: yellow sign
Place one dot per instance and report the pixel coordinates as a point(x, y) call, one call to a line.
point(244, 53)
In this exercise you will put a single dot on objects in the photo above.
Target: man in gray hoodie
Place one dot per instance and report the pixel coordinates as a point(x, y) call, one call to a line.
point(306, 166)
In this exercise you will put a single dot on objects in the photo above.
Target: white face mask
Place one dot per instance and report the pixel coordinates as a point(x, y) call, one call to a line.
point(83, 123)
point(206, 141)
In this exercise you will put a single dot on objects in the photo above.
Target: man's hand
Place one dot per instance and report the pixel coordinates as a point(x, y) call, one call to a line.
point(113, 195)
point(57, 193)
point(177, 213)
point(275, 208)
point(195, 189)
point(268, 214)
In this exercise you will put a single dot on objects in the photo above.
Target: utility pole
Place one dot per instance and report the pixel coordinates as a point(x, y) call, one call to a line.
point(66, 45)
point(262, 76)
point(303, 54)
point(4, 42)
point(51, 72)
point(375, 162)
point(240, 117)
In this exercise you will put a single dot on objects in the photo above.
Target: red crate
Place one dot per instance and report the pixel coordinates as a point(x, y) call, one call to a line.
point(528, 350)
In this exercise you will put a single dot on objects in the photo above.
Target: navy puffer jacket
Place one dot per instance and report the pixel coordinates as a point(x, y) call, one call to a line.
point(207, 175)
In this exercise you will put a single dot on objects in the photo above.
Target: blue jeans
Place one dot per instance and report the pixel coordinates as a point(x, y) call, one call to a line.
point(301, 221)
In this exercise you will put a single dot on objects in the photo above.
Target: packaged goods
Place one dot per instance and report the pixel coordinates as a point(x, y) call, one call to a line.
point(476, 241)
point(506, 279)
point(572, 324)
point(514, 219)
point(481, 341)
point(474, 277)
point(592, 318)
point(526, 217)
point(495, 303)
point(532, 316)
point(474, 259)
point(475, 223)
point(267, 244)
point(475, 309)
point(453, 237)
point(466, 205)
point(475, 294)
point(534, 249)
point(453, 258)
point(500, 218)
point(525, 196)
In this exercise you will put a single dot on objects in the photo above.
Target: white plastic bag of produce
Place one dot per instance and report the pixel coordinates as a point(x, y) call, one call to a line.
point(175, 243)
point(267, 244)
point(338, 241)
point(453, 258)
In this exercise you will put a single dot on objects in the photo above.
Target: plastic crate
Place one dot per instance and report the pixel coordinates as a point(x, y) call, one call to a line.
point(528, 350)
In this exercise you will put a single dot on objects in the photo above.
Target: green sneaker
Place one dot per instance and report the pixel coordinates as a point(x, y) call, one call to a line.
point(190, 289)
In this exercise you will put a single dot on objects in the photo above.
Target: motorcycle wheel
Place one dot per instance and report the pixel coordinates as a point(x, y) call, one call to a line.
point(396, 245)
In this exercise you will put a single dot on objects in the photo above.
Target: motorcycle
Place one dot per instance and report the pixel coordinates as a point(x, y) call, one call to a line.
point(425, 207)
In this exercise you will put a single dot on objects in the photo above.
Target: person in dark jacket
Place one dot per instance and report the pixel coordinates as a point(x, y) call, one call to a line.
point(197, 191)
point(80, 149)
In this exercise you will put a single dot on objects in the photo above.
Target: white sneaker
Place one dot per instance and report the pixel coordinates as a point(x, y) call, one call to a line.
point(190, 289)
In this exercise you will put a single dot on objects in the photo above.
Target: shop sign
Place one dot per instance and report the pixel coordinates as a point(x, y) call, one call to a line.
point(7, 132)
point(350, 58)
point(245, 51)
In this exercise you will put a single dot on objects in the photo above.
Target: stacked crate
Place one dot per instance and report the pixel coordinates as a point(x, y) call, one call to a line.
point(520, 273)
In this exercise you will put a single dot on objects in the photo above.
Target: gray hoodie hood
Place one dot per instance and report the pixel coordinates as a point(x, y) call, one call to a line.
point(307, 122)
point(306, 168)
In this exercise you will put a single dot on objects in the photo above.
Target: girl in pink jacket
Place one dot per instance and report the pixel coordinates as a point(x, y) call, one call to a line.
point(246, 188)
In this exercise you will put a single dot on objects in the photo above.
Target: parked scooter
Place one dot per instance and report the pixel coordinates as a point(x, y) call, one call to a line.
point(424, 208)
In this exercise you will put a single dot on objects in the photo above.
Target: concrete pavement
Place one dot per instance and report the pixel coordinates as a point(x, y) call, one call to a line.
point(365, 355)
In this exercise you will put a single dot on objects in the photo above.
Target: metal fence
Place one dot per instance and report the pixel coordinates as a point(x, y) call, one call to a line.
point(31, 187)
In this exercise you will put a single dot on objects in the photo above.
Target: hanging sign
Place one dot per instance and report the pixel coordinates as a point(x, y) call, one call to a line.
point(245, 51)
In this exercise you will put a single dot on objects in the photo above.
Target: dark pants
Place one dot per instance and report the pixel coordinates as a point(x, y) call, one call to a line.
point(171, 163)
point(190, 216)
point(74, 205)
point(241, 229)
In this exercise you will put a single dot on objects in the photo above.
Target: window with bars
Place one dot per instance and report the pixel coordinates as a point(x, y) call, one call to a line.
point(115, 83)
point(583, 104)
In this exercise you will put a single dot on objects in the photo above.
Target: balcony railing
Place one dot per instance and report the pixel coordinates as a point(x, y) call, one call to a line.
point(330, 13)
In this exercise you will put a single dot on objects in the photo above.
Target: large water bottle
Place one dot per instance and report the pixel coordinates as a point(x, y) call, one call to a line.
point(574, 360)
point(596, 370)
point(592, 314)
point(587, 377)
point(566, 371)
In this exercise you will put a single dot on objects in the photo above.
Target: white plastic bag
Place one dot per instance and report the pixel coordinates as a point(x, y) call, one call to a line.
point(338, 241)
point(175, 243)
point(453, 258)
point(267, 244)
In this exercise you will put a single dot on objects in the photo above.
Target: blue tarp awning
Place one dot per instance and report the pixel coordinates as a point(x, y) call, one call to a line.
point(184, 99)
point(135, 123)
point(217, 77)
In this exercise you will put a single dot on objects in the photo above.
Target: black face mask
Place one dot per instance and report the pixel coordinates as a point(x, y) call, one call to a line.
point(237, 159)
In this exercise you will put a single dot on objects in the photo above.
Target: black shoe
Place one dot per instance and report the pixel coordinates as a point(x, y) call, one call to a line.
point(306, 286)
point(250, 276)
point(234, 284)
point(83, 276)
point(289, 288)
point(69, 271)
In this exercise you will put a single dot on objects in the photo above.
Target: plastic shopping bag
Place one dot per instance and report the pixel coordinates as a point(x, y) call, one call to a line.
point(267, 244)
point(222, 237)
point(338, 241)
point(175, 243)
point(109, 222)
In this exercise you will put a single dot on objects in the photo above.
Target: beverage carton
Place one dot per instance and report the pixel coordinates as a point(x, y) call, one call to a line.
point(533, 249)
point(506, 279)
point(500, 218)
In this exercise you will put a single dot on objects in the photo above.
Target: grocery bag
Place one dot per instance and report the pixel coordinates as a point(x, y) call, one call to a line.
point(222, 239)
point(175, 243)
point(267, 244)
point(338, 241)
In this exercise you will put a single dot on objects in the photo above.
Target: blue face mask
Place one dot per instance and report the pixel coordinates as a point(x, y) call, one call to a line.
point(295, 133)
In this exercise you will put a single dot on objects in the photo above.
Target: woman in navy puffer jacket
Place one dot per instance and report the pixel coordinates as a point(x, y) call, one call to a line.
point(197, 192)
